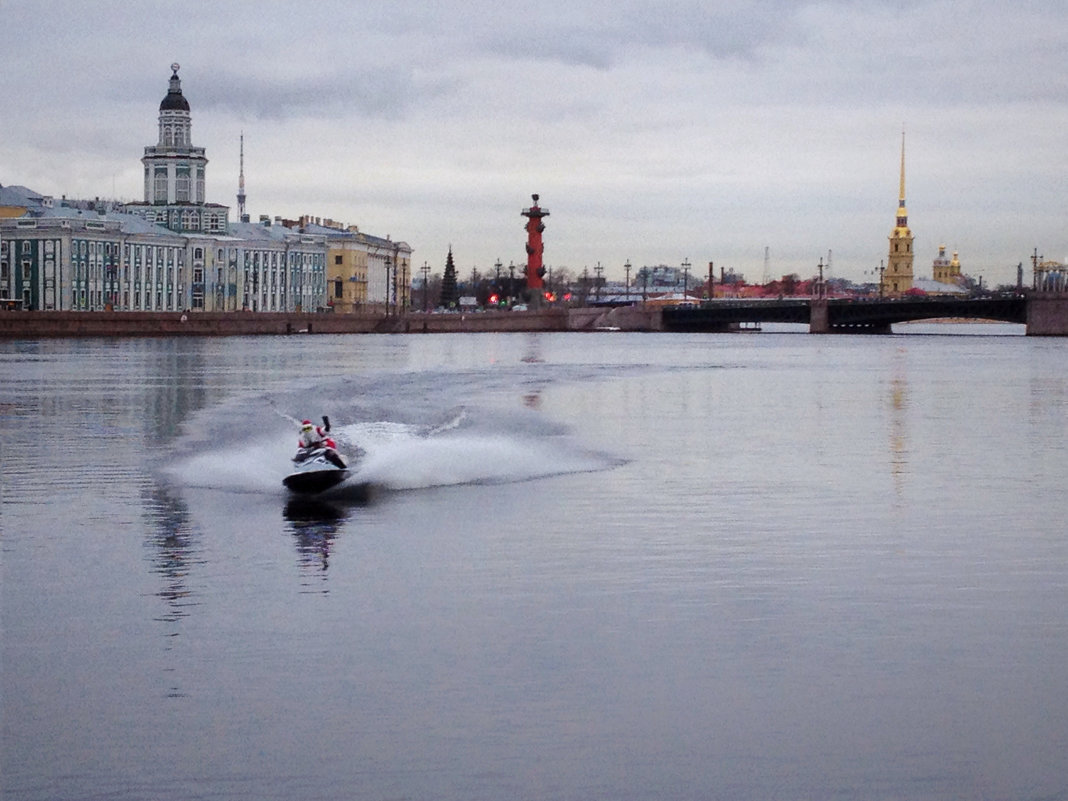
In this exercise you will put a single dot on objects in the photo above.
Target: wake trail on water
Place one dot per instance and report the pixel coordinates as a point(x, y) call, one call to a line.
point(457, 448)
point(400, 459)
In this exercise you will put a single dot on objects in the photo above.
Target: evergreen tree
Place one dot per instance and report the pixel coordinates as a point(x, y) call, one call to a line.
point(450, 293)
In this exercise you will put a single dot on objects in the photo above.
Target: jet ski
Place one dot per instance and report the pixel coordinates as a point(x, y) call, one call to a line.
point(315, 470)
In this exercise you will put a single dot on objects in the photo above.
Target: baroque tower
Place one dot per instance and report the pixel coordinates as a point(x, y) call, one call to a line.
point(174, 169)
point(174, 172)
point(898, 275)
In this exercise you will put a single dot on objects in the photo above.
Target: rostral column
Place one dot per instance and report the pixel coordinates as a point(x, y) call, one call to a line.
point(535, 270)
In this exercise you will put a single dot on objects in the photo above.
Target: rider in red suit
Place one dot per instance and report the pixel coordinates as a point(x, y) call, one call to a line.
point(312, 436)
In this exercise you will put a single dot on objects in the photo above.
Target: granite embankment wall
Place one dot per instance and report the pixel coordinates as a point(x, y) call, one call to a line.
point(1047, 314)
point(38, 324)
point(32, 325)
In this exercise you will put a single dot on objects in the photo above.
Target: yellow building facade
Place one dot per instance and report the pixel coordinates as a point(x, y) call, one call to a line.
point(363, 272)
point(346, 275)
point(945, 270)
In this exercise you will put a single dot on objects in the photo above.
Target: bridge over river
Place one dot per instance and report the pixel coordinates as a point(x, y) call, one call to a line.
point(1043, 314)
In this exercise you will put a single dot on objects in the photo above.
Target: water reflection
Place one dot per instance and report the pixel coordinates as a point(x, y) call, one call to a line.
point(314, 523)
point(532, 350)
point(899, 450)
point(175, 551)
point(532, 354)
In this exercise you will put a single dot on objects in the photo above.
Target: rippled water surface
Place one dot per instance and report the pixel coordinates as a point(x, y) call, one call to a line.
point(592, 566)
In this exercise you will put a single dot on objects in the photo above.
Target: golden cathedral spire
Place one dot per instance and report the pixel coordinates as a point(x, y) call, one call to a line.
point(901, 202)
point(902, 212)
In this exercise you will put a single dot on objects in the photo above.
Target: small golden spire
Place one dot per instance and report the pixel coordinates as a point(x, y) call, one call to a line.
point(902, 195)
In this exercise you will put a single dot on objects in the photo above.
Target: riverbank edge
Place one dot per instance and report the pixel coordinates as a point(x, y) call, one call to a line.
point(60, 324)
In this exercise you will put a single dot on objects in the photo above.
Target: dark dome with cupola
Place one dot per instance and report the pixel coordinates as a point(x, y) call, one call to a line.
point(175, 100)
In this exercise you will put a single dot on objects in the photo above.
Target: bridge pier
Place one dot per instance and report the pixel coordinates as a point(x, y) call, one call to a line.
point(1047, 314)
point(819, 320)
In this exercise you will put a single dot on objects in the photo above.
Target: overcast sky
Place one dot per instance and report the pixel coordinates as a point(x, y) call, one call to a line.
point(655, 132)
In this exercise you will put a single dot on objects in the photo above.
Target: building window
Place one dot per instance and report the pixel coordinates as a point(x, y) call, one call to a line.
point(182, 188)
point(161, 186)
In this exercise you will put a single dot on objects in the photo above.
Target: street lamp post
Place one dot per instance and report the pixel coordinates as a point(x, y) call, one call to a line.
point(426, 287)
point(685, 276)
point(511, 282)
point(388, 260)
point(399, 298)
point(598, 270)
point(627, 268)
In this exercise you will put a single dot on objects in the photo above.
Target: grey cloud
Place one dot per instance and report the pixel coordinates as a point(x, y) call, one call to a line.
point(602, 34)
point(377, 92)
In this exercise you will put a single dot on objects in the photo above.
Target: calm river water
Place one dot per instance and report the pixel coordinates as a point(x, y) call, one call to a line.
point(596, 566)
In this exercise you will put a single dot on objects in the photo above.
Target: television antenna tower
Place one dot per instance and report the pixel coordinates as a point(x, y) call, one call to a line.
point(242, 216)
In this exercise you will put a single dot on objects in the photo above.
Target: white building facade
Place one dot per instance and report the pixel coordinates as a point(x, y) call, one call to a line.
point(174, 251)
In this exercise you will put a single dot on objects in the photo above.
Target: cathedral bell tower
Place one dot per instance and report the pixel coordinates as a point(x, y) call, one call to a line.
point(897, 277)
